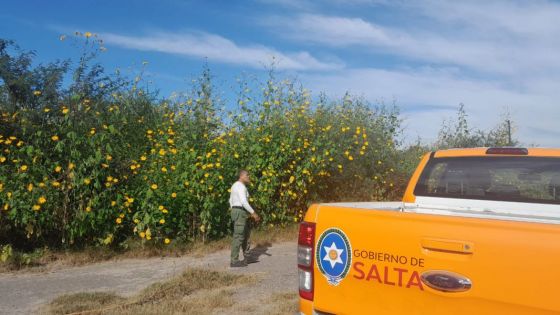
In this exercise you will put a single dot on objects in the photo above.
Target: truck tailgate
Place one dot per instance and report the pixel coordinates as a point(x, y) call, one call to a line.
point(512, 267)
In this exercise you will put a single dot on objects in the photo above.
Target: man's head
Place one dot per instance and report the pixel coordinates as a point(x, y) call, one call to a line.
point(244, 176)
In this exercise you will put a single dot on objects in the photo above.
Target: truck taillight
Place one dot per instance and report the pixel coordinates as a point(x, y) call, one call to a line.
point(304, 255)
point(306, 239)
point(306, 234)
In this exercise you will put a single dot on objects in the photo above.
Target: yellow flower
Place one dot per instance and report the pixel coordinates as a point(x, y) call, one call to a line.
point(162, 221)
point(36, 93)
point(55, 184)
point(46, 109)
point(206, 175)
point(118, 220)
point(164, 169)
point(42, 200)
point(167, 241)
point(108, 157)
point(88, 209)
point(154, 186)
point(88, 34)
point(58, 169)
point(161, 152)
point(142, 234)
point(23, 168)
point(136, 221)
point(36, 207)
point(173, 195)
point(143, 158)
point(236, 155)
point(65, 110)
point(350, 158)
point(149, 132)
point(92, 131)
point(71, 166)
point(87, 181)
point(6, 207)
point(30, 187)
point(2, 159)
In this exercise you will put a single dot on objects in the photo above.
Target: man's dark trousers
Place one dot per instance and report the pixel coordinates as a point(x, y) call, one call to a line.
point(241, 232)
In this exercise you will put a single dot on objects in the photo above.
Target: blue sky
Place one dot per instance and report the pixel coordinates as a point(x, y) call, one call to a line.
point(428, 56)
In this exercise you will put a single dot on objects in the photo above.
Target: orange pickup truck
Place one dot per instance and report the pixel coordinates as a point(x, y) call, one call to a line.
point(477, 232)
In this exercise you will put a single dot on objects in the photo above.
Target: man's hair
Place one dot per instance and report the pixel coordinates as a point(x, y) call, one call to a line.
point(242, 172)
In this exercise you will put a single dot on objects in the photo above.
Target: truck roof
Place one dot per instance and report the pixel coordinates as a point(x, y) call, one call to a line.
point(544, 152)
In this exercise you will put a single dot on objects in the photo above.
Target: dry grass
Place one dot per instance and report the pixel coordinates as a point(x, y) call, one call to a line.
point(197, 291)
point(82, 301)
point(48, 259)
point(284, 303)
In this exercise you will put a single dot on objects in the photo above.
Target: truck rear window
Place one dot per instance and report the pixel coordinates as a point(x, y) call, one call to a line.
point(500, 178)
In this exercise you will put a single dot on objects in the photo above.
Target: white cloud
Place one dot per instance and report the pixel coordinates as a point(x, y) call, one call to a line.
point(487, 54)
point(219, 49)
point(489, 37)
point(428, 96)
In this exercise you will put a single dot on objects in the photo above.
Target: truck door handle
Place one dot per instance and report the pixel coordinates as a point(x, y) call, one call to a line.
point(447, 246)
point(446, 281)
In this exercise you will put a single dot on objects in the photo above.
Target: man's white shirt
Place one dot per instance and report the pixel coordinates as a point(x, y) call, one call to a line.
point(239, 197)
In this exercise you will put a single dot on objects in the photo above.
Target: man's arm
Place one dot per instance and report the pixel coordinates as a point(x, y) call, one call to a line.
point(246, 205)
point(243, 198)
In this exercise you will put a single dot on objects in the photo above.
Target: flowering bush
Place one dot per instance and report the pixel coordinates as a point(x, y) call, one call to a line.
point(98, 166)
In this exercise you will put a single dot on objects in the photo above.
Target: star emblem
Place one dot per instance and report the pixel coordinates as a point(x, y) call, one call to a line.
point(333, 254)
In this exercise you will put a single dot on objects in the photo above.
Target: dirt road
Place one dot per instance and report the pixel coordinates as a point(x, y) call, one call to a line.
point(24, 293)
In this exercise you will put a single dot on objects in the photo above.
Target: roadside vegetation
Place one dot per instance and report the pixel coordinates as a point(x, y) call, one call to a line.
point(196, 291)
point(45, 259)
point(96, 160)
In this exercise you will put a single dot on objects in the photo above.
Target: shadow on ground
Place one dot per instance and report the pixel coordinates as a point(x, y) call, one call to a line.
point(259, 250)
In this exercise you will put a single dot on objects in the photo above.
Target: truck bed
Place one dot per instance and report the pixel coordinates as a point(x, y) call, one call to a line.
point(512, 211)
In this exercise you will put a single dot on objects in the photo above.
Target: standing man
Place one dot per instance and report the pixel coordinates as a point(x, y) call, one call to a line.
point(240, 212)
